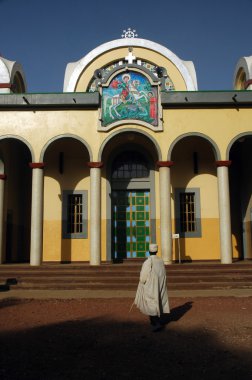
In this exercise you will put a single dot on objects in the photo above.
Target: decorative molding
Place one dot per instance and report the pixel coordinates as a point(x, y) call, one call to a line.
point(97, 164)
point(223, 163)
point(37, 165)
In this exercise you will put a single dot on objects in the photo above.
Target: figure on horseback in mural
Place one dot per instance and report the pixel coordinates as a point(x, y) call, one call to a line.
point(128, 97)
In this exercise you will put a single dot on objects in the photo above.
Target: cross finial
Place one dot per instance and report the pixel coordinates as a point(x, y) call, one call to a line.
point(129, 33)
point(130, 58)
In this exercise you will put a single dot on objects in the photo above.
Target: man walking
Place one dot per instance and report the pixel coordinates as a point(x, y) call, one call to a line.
point(151, 296)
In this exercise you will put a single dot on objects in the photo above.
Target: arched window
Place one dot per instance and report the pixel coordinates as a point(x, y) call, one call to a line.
point(129, 165)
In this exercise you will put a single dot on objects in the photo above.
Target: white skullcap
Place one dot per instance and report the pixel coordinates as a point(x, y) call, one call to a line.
point(153, 248)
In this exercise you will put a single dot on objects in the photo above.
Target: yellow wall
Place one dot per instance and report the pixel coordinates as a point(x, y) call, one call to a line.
point(40, 127)
point(205, 248)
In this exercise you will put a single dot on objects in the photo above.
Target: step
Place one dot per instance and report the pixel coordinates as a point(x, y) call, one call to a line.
point(129, 266)
point(124, 276)
point(129, 286)
point(120, 272)
point(119, 278)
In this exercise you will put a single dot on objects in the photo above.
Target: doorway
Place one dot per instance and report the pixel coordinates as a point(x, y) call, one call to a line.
point(130, 224)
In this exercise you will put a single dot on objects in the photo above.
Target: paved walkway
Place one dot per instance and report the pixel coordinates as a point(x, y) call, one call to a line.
point(78, 294)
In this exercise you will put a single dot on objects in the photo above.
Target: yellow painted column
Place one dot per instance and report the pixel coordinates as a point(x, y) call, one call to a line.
point(2, 180)
point(37, 213)
point(95, 212)
point(165, 210)
point(224, 211)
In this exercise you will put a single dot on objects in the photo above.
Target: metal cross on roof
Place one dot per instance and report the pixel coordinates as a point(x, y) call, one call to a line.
point(129, 33)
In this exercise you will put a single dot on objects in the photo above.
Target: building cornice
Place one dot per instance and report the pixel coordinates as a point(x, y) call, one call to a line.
point(201, 99)
point(91, 100)
point(58, 100)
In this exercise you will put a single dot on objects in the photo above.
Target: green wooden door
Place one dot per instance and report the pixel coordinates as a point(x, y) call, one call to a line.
point(131, 224)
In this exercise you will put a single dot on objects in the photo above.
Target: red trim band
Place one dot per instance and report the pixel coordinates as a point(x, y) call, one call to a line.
point(165, 164)
point(95, 164)
point(37, 165)
point(3, 177)
point(223, 163)
point(5, 85)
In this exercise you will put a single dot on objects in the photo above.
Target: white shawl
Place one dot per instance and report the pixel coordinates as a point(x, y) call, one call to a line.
point(151, 296)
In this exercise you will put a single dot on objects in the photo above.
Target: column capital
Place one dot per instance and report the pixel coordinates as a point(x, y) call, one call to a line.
point(223, 163)
point(164, 164)
point(3, 177)
point(37, 165)
point(98, 164)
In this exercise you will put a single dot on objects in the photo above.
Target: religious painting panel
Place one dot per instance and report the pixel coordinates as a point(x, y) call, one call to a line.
point(130, 95)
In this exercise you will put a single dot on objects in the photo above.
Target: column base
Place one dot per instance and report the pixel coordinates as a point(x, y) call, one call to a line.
point(226, 261)
point(168, 262)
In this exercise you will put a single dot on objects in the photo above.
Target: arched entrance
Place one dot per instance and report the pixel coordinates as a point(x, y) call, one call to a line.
point(15, 158)
point(195, 199)
point(241, 196)
point(66, 187)
point(131, 208)
point(130, 201)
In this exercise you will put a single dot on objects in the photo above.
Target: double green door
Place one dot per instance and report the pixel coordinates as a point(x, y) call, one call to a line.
point(130, 224)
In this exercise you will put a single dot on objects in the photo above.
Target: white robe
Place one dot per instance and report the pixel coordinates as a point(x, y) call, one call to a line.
point(151, 296)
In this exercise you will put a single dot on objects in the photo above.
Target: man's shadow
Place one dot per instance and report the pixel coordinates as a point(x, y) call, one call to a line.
point(176, 313)
point(6, 287)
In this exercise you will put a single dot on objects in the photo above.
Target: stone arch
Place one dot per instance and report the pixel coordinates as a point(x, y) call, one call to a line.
point(125, 148)
point(129, 130)
point(15, 137)
point(236, 138)
point(67, 135)
point(196, 134)
point(66, 181)
point(240, 187)
point(74, 70)
point(15, 156)
point(194, 184)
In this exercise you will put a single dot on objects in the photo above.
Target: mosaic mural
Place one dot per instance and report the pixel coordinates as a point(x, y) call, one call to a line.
point(130, 96)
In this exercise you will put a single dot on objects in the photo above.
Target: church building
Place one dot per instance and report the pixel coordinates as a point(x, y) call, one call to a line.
point(130, 153)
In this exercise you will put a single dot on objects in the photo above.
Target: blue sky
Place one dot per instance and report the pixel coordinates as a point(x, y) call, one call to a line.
point(45, 35)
